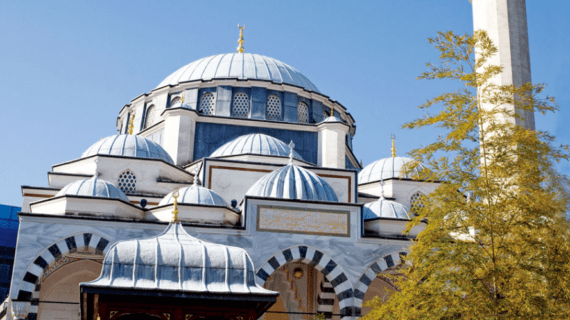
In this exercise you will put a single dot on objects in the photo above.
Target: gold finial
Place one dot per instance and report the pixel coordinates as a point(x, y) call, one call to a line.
point(182, 97)
point(240, 41)
point(175, 211)
point(393, 136)
point(332, 111)
point(132, 123)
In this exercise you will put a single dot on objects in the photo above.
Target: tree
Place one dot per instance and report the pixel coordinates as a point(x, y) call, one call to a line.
point(497, 242)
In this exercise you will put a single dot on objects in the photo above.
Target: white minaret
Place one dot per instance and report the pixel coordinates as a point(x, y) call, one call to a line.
point(505, 23)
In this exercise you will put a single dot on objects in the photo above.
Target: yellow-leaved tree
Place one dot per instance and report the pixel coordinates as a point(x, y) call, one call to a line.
point(497, 241)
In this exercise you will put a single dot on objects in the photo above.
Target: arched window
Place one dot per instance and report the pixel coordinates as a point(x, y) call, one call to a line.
point(241, 105)
point(150, 116)
point(303, 112)
point(127, 182)
point(175, 101)
point(207, 103)
point(416, 202)
point(273, 108)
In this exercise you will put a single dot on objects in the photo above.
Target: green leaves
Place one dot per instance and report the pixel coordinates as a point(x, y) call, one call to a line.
point(497, 243)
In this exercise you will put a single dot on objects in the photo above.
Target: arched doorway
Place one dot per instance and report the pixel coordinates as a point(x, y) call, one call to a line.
point(303, 292)
point(59, 292)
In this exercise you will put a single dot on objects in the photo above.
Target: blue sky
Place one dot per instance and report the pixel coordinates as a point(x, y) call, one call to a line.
point(68, 67)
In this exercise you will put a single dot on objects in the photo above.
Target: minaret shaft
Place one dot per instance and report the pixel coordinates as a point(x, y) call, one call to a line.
point(506, 24)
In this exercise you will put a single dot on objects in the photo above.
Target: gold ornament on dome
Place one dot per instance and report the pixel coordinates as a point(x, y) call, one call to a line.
point(240, 41)
point(393, 136)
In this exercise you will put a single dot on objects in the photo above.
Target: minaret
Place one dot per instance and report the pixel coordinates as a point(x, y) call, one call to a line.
point(505, 23)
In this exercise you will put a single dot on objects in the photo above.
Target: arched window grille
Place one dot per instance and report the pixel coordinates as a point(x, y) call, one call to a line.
point(150, 116)
point(127, 182)
point(175, 101)
point(273, 108)
point(241, 105)
point(207, 103)
point(416, 202)
point(303, 112)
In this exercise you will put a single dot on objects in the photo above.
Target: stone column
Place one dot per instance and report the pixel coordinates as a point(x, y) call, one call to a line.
point(332, 146)
point(179, 130)
point(505, 23)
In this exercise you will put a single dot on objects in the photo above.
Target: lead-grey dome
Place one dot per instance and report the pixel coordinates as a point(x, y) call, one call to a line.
point(383, 208)
point(257, 143)
point(293, 182)
point(128, 145)
point(93, 187)
point(244, 66)
point(387, 168)
point(177, 261)
point(195, 195)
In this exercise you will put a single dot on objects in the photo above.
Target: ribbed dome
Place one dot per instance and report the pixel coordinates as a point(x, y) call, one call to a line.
point(177, 261)
point(256, 143)
point(128, 146)
point(239, 66)
point(93, 187)
point(383, 208)
point(386, 168)
point(293, 182)
point(195, 195)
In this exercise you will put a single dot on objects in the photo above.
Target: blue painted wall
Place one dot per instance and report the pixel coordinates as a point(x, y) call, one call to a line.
point(8, 235)
point(211, 136)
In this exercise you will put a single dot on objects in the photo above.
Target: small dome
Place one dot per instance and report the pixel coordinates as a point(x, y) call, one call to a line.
point(177, 261)
point(93, 187)
point(244, 66)
point(386, 168)
point(383, 208)
point(293, 182)
point(195, 195)
point(331, 119)
point(128, 145)
point(257, 143)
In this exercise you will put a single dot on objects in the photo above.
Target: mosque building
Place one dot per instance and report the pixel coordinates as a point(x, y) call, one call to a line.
point(274, 214)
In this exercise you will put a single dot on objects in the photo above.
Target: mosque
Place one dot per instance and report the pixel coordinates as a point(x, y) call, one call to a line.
point(230, 191)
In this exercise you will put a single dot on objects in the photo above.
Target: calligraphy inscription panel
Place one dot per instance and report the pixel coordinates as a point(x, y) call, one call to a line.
point(297, 220)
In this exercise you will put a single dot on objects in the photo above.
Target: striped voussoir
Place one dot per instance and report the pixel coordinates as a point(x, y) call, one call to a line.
point(325, 299)
point(30, 285)
point(366, 279)
point(320, 261)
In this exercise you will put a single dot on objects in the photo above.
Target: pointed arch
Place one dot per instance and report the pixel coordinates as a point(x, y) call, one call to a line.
point(333, 272)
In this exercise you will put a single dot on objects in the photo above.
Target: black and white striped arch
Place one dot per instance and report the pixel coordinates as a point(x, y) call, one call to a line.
point(29, 289)
point(373, 270)
point(320, 261)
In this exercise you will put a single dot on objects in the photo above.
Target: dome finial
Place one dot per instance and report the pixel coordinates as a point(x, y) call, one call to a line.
point(132, 123)
point(240, 41)
point(332, 111)
point(291, 146)
point(182, 97)
point(175, 210)
point(393, 136)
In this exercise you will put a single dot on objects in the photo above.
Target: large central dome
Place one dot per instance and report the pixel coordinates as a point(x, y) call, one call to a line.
point(245, 66)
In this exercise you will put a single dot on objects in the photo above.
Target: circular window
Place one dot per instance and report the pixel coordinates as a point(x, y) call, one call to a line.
point(127, 182)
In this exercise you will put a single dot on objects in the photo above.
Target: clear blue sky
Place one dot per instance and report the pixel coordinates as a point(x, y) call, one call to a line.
point(68, 67)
